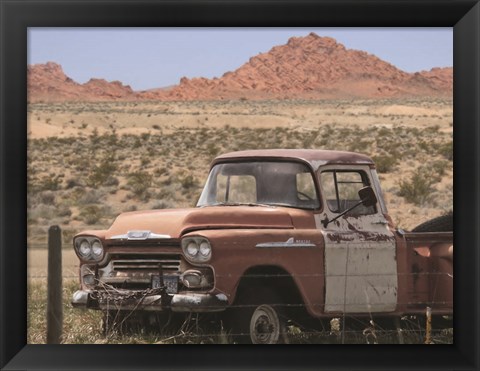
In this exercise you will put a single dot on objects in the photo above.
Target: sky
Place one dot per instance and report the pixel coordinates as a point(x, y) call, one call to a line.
point(147, 58)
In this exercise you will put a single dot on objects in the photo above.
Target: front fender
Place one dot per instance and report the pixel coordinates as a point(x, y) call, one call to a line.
point(297, 252)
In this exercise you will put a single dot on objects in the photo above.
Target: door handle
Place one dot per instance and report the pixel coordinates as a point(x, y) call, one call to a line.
point(382, 222)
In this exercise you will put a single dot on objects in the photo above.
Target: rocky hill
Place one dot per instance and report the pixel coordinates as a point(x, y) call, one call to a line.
point(310, 67)
point(48, 83)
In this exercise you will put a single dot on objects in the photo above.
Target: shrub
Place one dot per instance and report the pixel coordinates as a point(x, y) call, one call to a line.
point(139, 182)
point(101, 173)
point(446, 150)
point(72, 183)
point(189, 182)
point(161, 205)
point(384, 163)
point(418, 190)
point(46, 198)
point(50, 183)
point(91, 214)
point(439, 167)
point(64, 211)
point(212, 149)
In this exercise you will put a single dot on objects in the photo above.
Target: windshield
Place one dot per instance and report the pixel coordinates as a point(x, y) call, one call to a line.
point(269, 183)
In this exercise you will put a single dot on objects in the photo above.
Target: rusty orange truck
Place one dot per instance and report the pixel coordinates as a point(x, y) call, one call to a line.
point(276, 236)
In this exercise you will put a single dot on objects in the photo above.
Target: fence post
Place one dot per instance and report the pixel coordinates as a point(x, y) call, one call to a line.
point(428, 330)
point(54, 289)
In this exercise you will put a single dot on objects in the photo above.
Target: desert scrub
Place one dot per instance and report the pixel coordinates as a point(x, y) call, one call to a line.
point(92, 214)
point(446, 150)
point(101, 173)
point(419, 188)
point(384, 163)
point(139, 182)
point(189, 182)
point(76, 156)
point(50, 182)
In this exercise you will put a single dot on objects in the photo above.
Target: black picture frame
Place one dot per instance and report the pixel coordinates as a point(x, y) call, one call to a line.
point(17, 16)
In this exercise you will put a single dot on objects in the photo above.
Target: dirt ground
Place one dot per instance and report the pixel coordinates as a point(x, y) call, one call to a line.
point(72, 119)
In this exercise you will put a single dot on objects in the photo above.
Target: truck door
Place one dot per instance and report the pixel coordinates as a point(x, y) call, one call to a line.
point(360, 252)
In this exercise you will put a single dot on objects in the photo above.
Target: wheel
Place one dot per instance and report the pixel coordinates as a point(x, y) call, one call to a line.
point(257, 318)
point(443, 223)
point(265, 325)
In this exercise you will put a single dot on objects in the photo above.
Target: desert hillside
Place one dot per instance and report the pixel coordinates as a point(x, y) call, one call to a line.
point(310, 67)
point(88, 162)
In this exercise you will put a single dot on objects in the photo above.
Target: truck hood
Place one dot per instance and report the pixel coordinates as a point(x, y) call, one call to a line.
point(173, 223)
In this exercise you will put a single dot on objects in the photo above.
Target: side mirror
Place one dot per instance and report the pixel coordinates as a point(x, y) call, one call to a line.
point(367, 196)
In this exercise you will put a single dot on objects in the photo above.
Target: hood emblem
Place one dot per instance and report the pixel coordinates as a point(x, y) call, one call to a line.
point(140, 235)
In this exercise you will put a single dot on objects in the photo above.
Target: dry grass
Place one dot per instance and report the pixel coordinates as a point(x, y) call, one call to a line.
point(85, 327)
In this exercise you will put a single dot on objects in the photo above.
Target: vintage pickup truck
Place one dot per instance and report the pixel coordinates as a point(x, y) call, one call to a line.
point(276, 235)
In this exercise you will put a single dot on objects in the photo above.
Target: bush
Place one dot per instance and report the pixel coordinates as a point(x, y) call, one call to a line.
point(64, 211)
point(418, 190)
point(91, 214)
point(161, 205)
point(446, 150)
point(51, 182)
point(46, 198)
point(101, 173)
point(139, 182)
point(384, 164)
point(440, 167)
point(189, 182)
point(72, 183)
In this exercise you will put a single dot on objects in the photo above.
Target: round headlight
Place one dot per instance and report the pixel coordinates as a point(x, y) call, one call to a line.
point(205, 248)
point(97, 248)
point(192, 248)
point(84, 249)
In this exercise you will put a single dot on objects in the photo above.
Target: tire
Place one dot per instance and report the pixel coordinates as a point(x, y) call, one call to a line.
point(442, 223)
point(257, 318)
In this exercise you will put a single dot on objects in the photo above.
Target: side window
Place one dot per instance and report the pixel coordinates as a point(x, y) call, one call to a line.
point(341, 188)
point(236, 188)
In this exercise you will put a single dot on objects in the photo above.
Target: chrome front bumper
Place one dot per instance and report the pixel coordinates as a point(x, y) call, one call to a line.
point(186, 302)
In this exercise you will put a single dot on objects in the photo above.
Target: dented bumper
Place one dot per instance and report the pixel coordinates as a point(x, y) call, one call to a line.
point(184, 302)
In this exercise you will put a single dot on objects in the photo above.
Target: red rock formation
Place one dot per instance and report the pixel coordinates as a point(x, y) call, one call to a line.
point(310, 67)
point(48, 83)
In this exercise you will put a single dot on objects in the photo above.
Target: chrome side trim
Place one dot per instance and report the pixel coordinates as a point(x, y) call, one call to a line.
point(289, 243)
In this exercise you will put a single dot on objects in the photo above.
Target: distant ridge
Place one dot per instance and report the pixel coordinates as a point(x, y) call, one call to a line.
point(310, 67)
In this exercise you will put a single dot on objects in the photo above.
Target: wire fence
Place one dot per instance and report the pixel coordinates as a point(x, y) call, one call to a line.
point(127, 312)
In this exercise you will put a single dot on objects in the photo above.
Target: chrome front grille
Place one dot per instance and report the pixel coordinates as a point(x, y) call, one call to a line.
point(170, 263)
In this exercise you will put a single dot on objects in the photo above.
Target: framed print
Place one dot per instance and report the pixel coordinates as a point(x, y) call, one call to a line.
point(149, 131)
